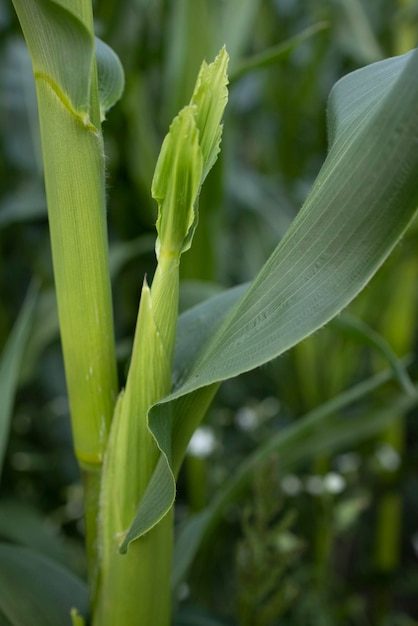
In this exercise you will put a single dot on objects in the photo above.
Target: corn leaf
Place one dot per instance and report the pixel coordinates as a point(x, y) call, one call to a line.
point(10, 366)
point(56, 31)
point(36, 591)
point(362, 201)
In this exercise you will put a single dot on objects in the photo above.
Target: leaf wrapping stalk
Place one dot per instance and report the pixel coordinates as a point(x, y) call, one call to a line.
point(188, 150)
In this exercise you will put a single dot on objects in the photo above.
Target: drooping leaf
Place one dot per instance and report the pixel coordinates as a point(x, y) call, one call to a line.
point(361, 203)
point(10, 365)
point(36, 591)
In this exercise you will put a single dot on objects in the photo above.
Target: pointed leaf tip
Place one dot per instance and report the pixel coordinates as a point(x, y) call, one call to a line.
point(210, 97)
point(176, 183)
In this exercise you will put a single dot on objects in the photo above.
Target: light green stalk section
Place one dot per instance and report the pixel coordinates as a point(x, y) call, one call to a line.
point(74, 175)
point(61, 42)
point(131, 459)
point(139, 577)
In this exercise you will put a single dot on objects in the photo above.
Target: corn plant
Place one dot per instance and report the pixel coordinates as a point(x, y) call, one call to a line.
point(131, 443)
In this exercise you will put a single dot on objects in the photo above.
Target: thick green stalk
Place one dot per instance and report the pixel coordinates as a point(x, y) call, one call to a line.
point(73, 155)
point(74, 175)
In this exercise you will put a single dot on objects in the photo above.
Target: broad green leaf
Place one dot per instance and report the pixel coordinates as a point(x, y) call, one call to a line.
point(10, 365)
point(36, 591)
point(196, 327)
point(324, 430)
point(363, 199)
point(361, 203)
point(193, 292)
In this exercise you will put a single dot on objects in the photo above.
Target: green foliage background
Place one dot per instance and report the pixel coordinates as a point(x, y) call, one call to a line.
point(291, 551)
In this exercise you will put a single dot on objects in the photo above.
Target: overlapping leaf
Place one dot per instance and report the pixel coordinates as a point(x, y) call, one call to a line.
point(361, 202)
